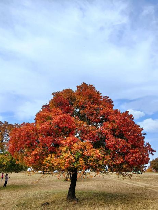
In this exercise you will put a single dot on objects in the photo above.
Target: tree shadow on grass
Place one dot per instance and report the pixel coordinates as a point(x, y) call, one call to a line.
point(87, 200)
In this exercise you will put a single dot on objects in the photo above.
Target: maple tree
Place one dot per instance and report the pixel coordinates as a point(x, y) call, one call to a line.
point(154, 164)
point(7, 162)
point(80, 130)
point(5, 128)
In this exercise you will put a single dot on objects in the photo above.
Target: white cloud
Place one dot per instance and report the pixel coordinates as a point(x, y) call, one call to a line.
point(136, 114)
point(149, 125)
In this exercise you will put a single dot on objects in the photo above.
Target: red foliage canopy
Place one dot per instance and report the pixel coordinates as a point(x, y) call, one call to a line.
point(80, 129)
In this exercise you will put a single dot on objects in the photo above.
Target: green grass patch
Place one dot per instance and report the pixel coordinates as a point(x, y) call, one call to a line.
point(14, 187)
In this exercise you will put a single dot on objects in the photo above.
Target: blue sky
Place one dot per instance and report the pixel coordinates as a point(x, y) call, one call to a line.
point(50, 45)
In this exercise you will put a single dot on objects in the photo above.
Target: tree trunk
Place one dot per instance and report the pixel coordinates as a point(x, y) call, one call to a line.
point(71, 193)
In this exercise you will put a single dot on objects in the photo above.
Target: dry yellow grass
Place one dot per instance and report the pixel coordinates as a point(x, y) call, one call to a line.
point(49, 192)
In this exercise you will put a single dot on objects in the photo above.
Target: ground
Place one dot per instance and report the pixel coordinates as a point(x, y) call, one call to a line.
point(110, 192)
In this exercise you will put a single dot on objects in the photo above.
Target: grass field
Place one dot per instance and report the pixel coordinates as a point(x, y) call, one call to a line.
point(48, 192)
